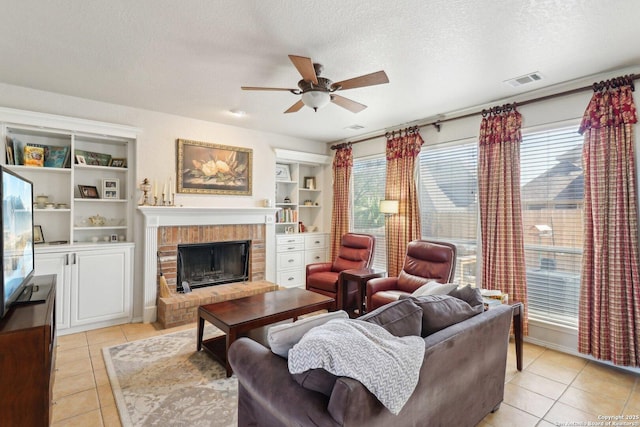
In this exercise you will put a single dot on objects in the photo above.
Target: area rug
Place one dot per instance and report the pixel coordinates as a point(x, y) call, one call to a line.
point(164, 381)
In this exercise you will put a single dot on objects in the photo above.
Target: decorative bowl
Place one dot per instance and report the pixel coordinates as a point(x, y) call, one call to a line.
point(97, 220)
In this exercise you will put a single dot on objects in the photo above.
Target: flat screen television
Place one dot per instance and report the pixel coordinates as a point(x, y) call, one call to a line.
point(17, 236)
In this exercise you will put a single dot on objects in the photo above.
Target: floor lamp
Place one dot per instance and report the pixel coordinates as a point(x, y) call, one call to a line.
point(388, 208)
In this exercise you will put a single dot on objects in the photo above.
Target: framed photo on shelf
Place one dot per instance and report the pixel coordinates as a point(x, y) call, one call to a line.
point(94, 159)
point(310, 182)
point(111, 188)
point(80, 160)
point(205, 168)
point(118, 163)
point(38, 236)
point(88, 192)
point(282, 172)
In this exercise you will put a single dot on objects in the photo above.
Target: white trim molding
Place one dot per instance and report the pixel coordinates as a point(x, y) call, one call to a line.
point(160, 216)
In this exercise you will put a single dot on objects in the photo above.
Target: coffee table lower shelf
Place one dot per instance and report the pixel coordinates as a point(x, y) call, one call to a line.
point(240, 316)
point(216, 347)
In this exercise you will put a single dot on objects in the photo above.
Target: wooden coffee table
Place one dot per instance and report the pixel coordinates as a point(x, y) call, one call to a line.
point(238, 316)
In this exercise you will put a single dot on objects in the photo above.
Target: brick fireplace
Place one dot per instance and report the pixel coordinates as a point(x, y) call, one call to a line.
point(166, 227)
point(170, 237)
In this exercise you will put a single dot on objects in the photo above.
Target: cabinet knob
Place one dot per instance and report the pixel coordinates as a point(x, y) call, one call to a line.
point(291, 248)
point(292, 260)
point(317, 242)
point(290, 279)
point(66, 259)
point(317, 257)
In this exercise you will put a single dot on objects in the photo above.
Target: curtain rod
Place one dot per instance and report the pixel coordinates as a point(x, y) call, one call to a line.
point(594, 87)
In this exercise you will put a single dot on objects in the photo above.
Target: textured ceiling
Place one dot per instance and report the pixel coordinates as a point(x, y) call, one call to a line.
point(190, 57)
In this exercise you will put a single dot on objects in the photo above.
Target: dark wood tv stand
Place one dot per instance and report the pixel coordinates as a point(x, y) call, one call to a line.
point(27, 360)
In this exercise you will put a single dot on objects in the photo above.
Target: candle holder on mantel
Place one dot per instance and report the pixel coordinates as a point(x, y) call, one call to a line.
point(167, 200)
point(145, 186)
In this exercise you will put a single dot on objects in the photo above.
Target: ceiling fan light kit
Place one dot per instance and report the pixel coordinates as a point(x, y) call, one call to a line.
point(316, 99)
point(316, 91)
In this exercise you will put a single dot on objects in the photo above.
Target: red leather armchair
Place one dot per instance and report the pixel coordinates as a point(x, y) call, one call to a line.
point(356, 252)
point(425, 261)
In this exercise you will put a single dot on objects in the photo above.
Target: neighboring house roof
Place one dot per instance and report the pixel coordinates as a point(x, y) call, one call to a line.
point(563, 182)
point(449, 187)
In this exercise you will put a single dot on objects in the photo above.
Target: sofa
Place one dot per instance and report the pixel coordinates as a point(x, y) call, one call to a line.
point(461, 378)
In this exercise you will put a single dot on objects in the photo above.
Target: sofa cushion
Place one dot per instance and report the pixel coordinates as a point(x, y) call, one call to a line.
point(441, 311)
point(400, 318)
point(283, 337)
point(317, 380)
point(472, 296)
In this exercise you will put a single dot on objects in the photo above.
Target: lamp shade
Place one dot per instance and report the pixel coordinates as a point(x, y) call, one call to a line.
point(389, 207)
point(316, 99)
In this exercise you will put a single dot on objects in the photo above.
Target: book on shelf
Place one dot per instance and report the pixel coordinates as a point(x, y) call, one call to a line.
point(287, 215)
point(41, 155)
point(33, 156)
point(56, 157)
point(10, 160)
point(17, 148)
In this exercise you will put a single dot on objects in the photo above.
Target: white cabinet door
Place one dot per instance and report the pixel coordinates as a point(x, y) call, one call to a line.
point(291, 278)
point(58, 264)
point(101, 286)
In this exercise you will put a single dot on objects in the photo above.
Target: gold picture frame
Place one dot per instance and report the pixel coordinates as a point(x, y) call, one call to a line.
point(206, 168)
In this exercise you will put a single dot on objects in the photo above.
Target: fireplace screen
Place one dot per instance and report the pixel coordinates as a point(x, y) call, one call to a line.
point(210, 264)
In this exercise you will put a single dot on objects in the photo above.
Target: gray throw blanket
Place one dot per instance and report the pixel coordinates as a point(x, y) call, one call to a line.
point(388, 366)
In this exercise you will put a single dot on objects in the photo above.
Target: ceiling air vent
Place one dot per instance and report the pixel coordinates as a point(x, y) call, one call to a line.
point(523, 80)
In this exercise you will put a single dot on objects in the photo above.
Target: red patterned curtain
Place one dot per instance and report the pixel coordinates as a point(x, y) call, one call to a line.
point(342, 165)
point(503, 265)
point(404, 227)
point(609, 326)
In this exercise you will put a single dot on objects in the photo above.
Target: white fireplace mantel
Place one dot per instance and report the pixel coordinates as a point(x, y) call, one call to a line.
point(161, 216)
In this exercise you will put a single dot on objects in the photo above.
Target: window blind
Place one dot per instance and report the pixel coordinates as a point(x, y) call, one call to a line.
point(448, 201)
point(369, 176)
point(552, 183)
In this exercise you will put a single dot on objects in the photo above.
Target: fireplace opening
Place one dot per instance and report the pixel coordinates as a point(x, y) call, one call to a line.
point(211, 264)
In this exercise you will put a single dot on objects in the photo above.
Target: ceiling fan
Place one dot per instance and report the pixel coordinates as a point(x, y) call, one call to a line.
point(318, 91)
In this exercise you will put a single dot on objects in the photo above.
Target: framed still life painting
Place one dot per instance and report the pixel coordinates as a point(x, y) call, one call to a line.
point(205, 168)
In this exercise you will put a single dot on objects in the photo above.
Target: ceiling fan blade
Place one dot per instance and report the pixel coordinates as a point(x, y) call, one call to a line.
point(265, 88)
point(295, 107)
point(377, 78)
point(353, 106)
point(304, 66)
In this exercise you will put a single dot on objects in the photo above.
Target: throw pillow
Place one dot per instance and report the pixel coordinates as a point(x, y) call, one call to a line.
point(471, 295)
point(282, 338)
point(441, 311)
point(317, 380)
point(400, 318)
point(434, 288)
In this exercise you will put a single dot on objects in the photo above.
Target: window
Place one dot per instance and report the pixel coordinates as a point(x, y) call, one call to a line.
point(552, 209)
point(552, 206)
point(369, 176)
point(448, 201)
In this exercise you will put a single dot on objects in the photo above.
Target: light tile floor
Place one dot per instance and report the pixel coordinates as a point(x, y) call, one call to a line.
point(553, 389)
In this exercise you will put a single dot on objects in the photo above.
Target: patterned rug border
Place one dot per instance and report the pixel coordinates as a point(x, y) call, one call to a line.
point(121, 405)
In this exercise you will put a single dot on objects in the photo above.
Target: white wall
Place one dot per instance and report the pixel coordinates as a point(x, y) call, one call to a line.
point(156, 149)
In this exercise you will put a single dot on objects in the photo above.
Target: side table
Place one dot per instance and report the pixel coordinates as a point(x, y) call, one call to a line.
point(518, 323)
point(361, 277)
